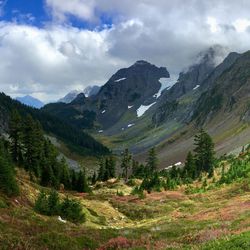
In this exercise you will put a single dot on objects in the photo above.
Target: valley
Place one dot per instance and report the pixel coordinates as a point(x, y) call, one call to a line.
point(147, 161)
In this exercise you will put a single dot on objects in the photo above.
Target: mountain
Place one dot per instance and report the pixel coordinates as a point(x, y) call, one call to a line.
point(142, 106)
point(30, 101)
point(228, 95)
point(76, 140)
point(194, 81)
point(70, 96)
point(126, 91)
point(91, 90)
point(88, 91)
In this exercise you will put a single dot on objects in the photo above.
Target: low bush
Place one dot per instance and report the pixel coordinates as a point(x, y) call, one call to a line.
point(69, 209)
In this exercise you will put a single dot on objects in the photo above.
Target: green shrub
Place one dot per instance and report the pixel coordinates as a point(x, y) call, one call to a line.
point(71, 210)
point(41, 204)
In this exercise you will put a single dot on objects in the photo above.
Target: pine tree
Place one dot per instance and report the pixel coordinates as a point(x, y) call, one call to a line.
point(82, 184)
point(106, 170)
point(126, 163)
point(32, 140)
point(101, 170)
point(8, 182)
point(47, 175)
point(190, 168)
point(15, 134)
point(151, 161)
point(64, 175)
point(111, 166)
point(204, 150)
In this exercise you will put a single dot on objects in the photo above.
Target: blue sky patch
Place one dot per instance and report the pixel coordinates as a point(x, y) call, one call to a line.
point(35, 12)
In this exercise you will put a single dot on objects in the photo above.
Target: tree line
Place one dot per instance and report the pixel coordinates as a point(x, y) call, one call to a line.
point(30, 149)
point(202, 160)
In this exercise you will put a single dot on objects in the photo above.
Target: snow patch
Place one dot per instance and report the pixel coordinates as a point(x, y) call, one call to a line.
point(100, 131)
point(130, 125)
point(166, 83)
point(103, 111)
point(60, 219)
point(168, 167)
point(142, 109)
point(196, 87)
point(177, 163)
point(129, 107)
point(121, 79)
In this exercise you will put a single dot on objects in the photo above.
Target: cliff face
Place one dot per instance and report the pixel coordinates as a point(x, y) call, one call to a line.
point(127, 88)
point(199, 78)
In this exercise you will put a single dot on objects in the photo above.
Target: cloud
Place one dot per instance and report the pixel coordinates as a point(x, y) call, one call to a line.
point(83, 9)
point(53, 60)
point(50, 61)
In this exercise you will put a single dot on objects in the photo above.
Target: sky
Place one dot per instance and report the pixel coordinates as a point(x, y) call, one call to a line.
point(50, 47)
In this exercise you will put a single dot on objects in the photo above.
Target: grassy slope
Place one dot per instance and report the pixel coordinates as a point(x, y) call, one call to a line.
point(170, 219)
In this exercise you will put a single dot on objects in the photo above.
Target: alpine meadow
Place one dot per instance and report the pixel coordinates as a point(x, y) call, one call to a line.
point(124, 125)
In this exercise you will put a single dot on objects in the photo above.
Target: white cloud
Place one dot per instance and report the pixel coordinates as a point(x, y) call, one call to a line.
point(83, 9)
point(50, 61)
point(241, 25)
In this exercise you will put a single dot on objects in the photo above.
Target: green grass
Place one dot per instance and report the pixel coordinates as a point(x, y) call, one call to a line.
point(217, 218)
point(236, 242)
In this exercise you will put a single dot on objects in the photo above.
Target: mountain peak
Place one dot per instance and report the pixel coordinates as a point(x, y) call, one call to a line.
point(30, 101)
point(141, 63)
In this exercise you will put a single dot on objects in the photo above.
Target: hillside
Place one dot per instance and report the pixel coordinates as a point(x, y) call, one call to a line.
point(215, 216)
point(76, 140)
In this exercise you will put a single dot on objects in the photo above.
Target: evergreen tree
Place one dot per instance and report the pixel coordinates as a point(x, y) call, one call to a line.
point(82, 184)
point(15, 134)
point(47, 175)
point(151, 161)
point(111, 166)
point(106, 170)
point(138, 170)
point(190, 167)
point(8, 182)
point(32, 140)
point(101, 173)
point(126, 163)
point(64, 175)
point(204, 150)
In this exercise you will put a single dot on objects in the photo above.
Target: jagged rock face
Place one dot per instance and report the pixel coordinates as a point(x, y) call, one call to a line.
point(194, 76)
point(229, 92)
point(201, 76)
point(133, 86)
